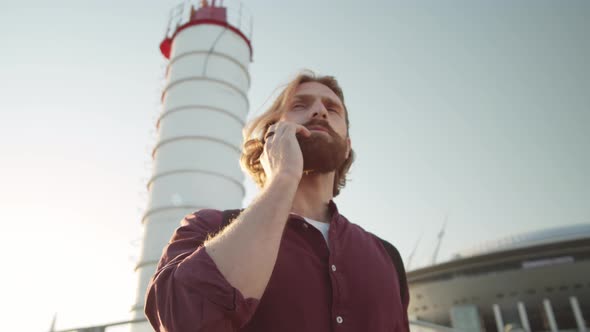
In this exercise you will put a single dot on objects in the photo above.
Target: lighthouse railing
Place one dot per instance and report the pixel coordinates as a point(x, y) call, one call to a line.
point(237, 15)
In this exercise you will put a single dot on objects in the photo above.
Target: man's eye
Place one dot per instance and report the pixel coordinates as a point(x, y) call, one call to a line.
point(298, 106)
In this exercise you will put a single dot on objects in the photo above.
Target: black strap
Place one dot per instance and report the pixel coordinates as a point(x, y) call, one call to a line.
point(399, 268)
point(230, 215)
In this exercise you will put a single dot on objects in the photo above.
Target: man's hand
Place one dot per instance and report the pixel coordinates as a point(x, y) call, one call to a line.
point(282, 155)
point(246, 251)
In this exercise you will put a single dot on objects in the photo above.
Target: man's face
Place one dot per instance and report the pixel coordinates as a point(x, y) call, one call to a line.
point(320, 110)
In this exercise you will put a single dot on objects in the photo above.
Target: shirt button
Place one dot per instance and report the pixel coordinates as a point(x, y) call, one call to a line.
point(339, 320)
point(305, 225)
point(333, 267)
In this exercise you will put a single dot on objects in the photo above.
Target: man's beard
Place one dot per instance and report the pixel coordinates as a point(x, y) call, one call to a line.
point(322, 154)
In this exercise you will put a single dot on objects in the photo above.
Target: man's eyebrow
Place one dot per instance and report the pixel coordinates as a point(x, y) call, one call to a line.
point(303, 97)
point(331, 102)
point(326, 100)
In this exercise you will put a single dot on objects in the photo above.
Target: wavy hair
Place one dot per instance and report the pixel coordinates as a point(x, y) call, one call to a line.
point(252, 133)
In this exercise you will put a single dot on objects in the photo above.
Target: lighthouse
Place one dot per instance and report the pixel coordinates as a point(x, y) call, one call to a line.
point(204, 108)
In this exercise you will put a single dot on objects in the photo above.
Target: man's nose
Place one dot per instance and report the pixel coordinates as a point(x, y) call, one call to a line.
point(319, 110)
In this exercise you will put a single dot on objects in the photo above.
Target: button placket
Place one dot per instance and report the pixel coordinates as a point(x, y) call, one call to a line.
point(335, 284)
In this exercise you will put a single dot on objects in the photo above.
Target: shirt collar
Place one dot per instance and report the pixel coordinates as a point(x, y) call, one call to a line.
point(333, 212)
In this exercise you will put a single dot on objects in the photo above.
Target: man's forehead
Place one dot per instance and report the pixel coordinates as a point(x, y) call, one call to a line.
point(316, 89)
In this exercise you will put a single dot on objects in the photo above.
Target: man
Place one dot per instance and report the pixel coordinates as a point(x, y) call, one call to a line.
point(289, 261)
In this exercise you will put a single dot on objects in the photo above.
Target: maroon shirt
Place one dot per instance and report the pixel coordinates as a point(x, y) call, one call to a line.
point(350, 286)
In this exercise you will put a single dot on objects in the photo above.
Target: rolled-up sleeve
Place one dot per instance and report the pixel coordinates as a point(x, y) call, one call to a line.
point(188, 292)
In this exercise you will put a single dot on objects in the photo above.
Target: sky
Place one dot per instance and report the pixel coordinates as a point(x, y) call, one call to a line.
point(474, 111)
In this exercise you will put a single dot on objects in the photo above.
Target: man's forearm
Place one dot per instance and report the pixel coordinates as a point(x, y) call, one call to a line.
point(246, 251)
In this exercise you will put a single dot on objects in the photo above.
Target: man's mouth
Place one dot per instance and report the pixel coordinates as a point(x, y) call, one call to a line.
point(318, 128)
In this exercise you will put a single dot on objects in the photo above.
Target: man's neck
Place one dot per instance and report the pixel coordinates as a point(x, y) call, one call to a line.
point(313, 196)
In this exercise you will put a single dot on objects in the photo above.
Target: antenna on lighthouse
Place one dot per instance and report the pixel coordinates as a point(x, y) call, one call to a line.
point(441, 234)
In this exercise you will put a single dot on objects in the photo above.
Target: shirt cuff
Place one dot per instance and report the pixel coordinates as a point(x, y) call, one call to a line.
point(199, 273)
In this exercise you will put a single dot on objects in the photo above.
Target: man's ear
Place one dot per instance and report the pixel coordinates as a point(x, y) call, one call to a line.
point(348, 147)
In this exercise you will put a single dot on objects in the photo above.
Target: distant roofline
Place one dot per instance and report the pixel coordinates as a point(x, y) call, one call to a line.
point(523, 240)
point(499, 260)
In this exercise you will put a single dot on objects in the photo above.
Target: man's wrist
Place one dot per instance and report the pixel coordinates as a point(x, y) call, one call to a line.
point(285, 181)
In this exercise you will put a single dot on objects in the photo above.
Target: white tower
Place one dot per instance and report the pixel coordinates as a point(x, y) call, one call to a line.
point(205, 104)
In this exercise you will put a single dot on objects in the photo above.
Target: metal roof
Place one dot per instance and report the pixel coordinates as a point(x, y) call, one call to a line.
point(545, 236)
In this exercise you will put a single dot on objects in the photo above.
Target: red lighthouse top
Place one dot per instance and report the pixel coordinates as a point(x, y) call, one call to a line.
point(233, 16)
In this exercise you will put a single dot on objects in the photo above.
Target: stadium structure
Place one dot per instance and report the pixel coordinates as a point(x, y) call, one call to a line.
point(538, 281)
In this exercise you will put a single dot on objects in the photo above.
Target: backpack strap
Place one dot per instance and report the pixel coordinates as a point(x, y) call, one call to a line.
point(230, 215)
point(399, 268)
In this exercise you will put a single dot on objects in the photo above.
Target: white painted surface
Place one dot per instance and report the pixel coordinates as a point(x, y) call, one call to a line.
point(578, 314)
point(524, 319)
point(550, 316)
point(203, 37)
point(498, 317)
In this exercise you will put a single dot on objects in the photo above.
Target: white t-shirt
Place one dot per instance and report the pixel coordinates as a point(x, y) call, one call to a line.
point(321, 226)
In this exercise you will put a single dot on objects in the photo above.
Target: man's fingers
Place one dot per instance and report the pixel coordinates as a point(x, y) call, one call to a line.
point(303, 131)
point(268, 134)
point(279, 129)
point(271, 131)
